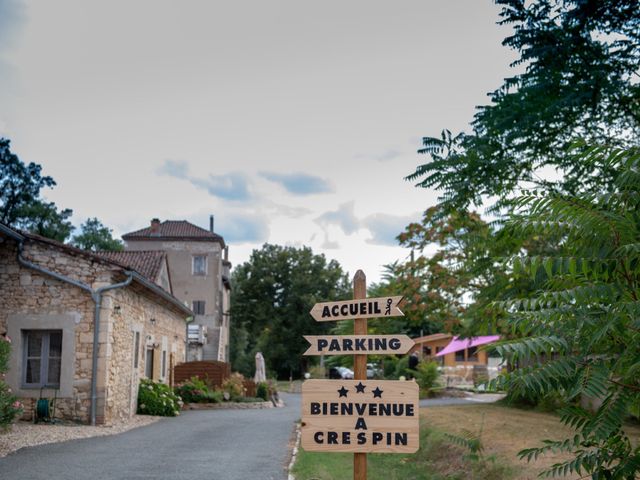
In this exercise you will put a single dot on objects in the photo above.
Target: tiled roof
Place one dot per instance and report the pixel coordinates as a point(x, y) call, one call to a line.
point(433, 337)
point(174, 229)
point(20, 235)
point(146, 263)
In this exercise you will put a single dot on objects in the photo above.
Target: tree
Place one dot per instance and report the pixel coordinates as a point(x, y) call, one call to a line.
point(44, 218)
point(20, 184)
point(272, 295)
point(95, 236)
point(20, 202)
point(579, 78)
point(581, 331)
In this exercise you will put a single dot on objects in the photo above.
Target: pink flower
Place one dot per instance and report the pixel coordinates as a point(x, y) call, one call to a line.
point(17, 404)
point(7, 338)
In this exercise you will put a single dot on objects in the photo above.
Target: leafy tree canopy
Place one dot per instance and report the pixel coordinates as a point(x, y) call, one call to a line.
point(580, 331)
point(579, 62)
point(20, 202)
point(95, 236)
point(272, 295)
point(20, 184)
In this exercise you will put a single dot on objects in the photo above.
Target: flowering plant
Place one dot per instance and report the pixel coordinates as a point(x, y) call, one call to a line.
point(10, 406)
point(157, 399)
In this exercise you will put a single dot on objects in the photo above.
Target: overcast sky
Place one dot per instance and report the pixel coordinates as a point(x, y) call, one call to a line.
point(293, 122)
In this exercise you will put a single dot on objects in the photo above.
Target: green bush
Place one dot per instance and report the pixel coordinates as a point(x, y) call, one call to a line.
point(389, 366)
point(262, 391)
point(196, 390)
point(10, 407)
point(233, 387)
point(157, 399)
point(403, 370)
point(427, 375)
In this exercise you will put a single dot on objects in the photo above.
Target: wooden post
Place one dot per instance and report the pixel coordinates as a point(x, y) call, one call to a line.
point(360, 366)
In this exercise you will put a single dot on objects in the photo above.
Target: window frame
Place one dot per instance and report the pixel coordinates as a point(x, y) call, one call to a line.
point(199, 311)
point(136, 349)
point(199, 273)
point(45, 358)
point(148, 363)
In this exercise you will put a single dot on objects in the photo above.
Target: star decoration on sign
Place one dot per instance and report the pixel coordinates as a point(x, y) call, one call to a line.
point(343, 392)
point(377, 393)
point(360, 388)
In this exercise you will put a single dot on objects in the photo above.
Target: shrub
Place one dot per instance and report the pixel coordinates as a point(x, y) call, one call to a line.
point(402, 369)
point(262, 391)
point(389, 366)
point(10, 407)
point(233, 387)
point(317, 372)
point(157, 399)
point(196, 390)
point(427, 375)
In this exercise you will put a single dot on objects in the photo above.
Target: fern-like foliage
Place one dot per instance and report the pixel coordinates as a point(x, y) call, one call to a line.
point(581, 331)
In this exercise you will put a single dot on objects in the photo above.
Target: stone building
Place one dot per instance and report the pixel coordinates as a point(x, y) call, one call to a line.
point(51, 297)
point(199, 269)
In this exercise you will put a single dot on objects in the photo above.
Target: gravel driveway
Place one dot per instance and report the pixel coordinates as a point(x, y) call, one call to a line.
point(211, 444)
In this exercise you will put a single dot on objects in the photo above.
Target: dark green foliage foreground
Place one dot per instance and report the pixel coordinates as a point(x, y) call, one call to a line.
point(581, 331)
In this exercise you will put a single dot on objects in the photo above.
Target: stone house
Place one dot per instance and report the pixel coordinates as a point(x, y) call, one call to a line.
point(199, 268)
point(51, 298)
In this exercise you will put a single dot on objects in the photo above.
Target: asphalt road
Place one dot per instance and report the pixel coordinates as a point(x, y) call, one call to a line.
point(205, 444)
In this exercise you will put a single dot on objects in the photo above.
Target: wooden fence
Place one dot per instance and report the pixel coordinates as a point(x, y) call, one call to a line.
point(212, 372)
point(249, 388)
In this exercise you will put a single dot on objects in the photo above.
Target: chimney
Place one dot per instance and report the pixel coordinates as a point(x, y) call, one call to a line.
point(226, 253)
point(211, 223)
point(155, 226)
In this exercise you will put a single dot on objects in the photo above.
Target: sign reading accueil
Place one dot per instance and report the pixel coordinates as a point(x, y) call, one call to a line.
point(363, 308)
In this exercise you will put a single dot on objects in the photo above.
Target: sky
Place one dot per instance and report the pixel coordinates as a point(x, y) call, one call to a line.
point(292, 122)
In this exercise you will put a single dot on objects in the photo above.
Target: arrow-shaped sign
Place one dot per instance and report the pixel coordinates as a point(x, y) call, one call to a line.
point(358, 344)
point(364, 308)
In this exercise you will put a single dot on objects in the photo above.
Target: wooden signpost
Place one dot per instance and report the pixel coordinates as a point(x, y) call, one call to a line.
point(357, 308)
point(350, 344)
point(359, 415)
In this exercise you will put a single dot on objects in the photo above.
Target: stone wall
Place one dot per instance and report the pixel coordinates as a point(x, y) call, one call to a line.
point(33, 301)
point(30, 299)
point(161, 327)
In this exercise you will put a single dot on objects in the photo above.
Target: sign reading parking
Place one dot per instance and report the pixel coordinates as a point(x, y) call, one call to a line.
point(363, 308)
point(360, 416)
point(350, 344)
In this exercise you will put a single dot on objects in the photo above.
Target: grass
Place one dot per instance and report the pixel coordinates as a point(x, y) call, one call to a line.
point(505, 431)
point(437, 459)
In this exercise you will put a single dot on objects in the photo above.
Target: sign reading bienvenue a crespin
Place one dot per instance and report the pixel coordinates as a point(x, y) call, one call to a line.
point(360, 416)
point(358, 344)
point(363, 308)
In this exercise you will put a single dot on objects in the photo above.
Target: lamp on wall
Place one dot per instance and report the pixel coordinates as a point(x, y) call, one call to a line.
point(153, 321)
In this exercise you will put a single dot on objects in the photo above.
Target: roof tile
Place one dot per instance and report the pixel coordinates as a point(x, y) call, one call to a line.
point(174, 229)
point(146, 263)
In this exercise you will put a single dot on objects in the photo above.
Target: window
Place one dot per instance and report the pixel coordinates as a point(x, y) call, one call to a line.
point(198, 307)
point(472, 354)
point(426, 351)
point(199, 264)
point(136, 349)
point(42, 358)
point(148, 363)
point(460, 356)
